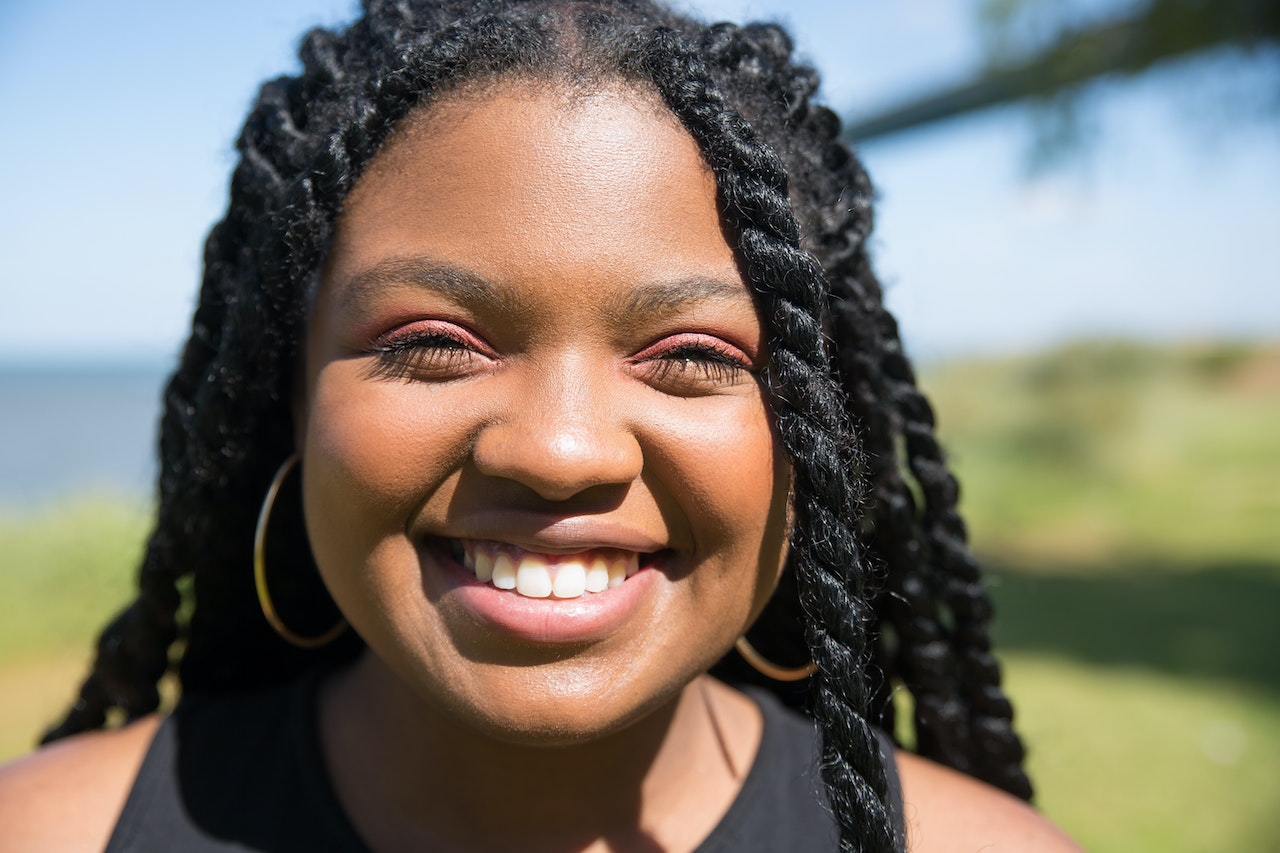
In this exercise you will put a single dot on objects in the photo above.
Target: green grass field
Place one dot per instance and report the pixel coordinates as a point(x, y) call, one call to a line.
point(1124, 498)
point(63, 571)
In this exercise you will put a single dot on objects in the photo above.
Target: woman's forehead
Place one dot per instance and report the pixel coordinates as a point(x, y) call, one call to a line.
point(527, 125)
point(523, 179)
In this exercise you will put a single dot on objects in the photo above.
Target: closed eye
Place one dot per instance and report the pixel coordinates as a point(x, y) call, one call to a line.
point(432, 351)
point(694, 365)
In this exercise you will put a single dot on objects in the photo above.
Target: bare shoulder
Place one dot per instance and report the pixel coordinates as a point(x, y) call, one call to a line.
point(949, 812)
point(68, 795)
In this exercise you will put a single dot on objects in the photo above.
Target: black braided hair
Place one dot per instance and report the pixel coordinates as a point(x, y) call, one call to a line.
point(880, 590)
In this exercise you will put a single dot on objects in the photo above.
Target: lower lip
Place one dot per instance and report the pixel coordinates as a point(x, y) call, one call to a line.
point(589, 617)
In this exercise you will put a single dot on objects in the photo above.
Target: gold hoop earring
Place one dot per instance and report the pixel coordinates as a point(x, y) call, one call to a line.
point(260, 568)
point(768, 668)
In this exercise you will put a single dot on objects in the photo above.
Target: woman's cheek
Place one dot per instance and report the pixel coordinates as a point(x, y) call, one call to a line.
point(379, 441)
point(730, 473)
point(363, 479)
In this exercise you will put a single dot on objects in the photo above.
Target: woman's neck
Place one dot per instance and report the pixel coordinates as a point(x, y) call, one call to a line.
point(413, 778)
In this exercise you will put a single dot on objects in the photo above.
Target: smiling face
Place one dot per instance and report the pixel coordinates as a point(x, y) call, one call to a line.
point(533, 358)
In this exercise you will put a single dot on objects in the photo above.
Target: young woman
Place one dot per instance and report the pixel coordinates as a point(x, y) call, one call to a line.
point(538, 371)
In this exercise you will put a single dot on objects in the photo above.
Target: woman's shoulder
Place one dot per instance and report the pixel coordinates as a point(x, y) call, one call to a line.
point(947, 810)
point(69, 794)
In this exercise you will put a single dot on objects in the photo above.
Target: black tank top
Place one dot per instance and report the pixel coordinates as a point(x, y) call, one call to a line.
point(245, 773)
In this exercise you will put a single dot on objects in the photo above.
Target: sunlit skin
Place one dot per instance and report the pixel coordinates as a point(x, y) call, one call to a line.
point(532, 330)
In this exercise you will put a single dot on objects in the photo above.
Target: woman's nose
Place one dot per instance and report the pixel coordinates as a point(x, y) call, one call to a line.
point(559, 439)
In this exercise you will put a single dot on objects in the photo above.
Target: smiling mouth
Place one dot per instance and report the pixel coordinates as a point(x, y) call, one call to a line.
point(534, 575)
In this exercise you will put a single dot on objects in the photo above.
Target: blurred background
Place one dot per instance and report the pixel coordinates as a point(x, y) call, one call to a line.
point(1079, 202)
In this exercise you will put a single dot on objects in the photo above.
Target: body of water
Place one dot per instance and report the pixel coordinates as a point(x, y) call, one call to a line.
point(67, 431)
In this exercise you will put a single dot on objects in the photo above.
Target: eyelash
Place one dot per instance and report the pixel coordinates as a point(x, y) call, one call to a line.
point(697, 362)
point(684, 367)
point(419, 353)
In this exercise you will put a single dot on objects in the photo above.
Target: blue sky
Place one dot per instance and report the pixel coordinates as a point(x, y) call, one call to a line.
point(119, 121)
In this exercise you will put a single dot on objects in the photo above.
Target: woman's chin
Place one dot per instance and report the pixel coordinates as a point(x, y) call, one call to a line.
point(554, 706)
point(570, 702)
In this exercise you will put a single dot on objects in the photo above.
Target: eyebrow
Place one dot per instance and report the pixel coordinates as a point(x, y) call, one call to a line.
point(422, 273)
point(466, 287)
point(670, 297)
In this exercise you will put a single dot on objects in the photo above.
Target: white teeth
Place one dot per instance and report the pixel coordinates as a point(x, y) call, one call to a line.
point(597, 579)
point(483, 566)
point(571, 580)
point(537, 576)
point(504, 572)
point(617, 571)
point(532, 578)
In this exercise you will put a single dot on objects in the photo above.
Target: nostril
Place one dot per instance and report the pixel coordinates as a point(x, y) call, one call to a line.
point(558, 460)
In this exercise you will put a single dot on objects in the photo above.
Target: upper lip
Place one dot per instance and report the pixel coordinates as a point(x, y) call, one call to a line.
point(562, 535)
